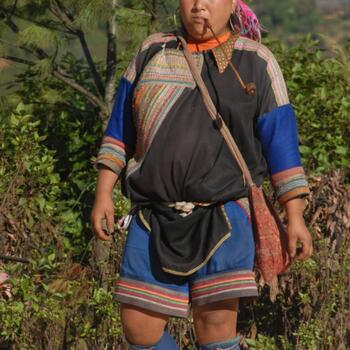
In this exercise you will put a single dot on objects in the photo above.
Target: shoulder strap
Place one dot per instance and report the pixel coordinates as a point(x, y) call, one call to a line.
point(214, 114)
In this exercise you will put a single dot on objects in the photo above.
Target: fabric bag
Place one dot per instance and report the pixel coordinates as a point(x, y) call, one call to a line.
point(271, 253)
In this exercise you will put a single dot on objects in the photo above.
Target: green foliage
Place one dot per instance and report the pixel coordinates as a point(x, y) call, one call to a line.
point(320, 93)
point(49, 135)
point(312, 310)
point(287, 18)
point(38, 36)
point(64, 314)
point(30, 186)
point(55, 301)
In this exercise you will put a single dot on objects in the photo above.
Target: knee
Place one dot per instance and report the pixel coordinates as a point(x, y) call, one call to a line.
point(216, 315)
point(142, 327)
point(217, 319)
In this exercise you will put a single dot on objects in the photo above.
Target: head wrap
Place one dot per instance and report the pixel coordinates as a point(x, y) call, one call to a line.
point(248, 25)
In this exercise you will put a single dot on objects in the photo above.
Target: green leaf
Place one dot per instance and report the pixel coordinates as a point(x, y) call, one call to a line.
point(44, 67)
point(38, 37)
point(305, 150)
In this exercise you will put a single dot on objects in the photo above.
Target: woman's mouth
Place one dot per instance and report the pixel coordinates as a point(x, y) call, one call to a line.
point(199, 20)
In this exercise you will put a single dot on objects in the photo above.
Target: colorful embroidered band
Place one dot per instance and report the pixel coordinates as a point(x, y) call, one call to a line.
point(224, 286)
point(151, 297)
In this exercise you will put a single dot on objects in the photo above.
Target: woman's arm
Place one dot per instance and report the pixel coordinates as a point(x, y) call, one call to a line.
point(119, 139)
point(103, 207)
point(297, 230)
point(277, 131)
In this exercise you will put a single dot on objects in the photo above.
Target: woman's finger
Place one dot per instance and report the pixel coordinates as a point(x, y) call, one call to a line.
point(292, 246)
point(97, 227)
point(303, 254)
point(306, 250)
point(110, 222)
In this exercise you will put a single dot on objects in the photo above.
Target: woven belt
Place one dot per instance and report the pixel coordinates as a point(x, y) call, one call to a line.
point(185, 208)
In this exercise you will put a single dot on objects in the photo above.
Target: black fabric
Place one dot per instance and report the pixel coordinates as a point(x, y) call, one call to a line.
point(189, 161)
point(183, 244)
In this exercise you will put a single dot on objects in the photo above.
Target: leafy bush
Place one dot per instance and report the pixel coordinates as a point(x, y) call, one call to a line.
point(46, 192)
point(56, 302)
point(320, 92)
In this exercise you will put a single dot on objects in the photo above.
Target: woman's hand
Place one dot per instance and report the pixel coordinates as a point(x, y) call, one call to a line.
point(103, 209)
point(297, 232)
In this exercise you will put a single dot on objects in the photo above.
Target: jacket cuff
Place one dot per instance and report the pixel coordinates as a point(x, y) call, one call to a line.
point(111, 155)
point(289, 184)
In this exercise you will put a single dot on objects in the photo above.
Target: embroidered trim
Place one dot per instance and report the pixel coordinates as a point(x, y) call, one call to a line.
point(288, 181)
point(111, 154)
point(156, 38)
point(161, 84)
point(228, 46)
point(295, 193)
point(274, 71)
point(143, 220)
point(151, 296)
point(244, 204)
point(236, 283)
point(130, 72)
point(211, 253)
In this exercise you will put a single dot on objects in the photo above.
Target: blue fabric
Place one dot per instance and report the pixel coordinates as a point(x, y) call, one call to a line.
point(235, 254)
point(277, 131)
point(120, 125)
point(167, 342)
point(232, 344)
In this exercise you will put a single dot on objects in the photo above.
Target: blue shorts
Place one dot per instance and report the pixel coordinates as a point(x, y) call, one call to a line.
point(227, 274)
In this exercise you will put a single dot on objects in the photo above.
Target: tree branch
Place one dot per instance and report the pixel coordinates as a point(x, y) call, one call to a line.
point(16, 46)
point(64, 10)
point(40, 53)
point(59, 73)
point(58, 11)
point(18, 60)
point(150, 9)
point(93, 70)
point(68, 21)
point(52, 25)
point(9, 22)
point(111, 59)
point(14, 6)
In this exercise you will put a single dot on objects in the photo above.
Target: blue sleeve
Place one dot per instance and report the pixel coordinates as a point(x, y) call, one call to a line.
point(120, 136)
point(277, 131)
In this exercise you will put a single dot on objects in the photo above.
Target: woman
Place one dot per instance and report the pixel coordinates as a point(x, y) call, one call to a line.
point(191, 238)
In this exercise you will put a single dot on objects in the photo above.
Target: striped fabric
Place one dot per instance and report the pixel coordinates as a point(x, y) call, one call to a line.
point(161, 84)
point(277, 81)
point(130, 72)
point(224, 286)
point(112, 154)
point(153, 103)
point(151, 297)
point(289, 184)
point(156, 38)
point(277, 132)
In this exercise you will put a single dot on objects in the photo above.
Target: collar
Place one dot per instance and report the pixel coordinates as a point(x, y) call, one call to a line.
point(227, 44)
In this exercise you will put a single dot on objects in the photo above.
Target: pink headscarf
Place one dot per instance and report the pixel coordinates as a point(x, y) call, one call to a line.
point(249, 25)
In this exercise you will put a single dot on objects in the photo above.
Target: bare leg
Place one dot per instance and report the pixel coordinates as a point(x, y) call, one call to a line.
point(216, 322)
point(142, 327)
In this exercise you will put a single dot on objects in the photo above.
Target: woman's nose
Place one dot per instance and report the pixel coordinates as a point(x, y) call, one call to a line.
point(199, 5)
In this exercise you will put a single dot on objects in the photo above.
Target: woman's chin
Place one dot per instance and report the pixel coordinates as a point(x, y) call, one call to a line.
point(200, 36)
